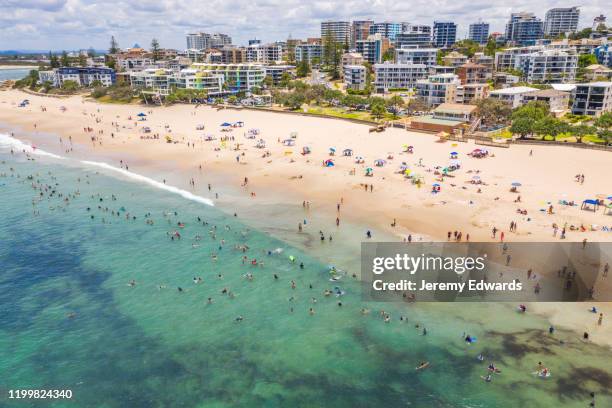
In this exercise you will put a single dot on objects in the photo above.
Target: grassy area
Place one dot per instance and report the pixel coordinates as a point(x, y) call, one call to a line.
point(340, 113)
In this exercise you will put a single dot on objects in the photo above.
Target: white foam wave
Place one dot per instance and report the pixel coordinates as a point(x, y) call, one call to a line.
point(151, 182)
point(7, 141)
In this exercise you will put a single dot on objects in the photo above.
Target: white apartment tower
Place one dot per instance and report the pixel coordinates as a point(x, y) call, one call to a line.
point(561, 21)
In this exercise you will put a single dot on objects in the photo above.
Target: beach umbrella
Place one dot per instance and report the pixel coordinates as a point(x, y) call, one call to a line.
point(369, 169)
point(436, 185)
point(332, 149)
point(141, 114)
point(476, 178)
point(225, 124)
point(516, 184)
point(454, 153)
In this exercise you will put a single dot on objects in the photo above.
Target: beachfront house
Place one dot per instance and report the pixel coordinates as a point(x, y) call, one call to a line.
point(236, 77)
point(448, 117)
point(83, 76)
point(558, 101)
point(512, 96)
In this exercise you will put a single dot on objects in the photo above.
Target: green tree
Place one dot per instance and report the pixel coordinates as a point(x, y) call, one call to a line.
point(534, 110)
point(389, 55)
point(604, 121)
point(70, 86)
point(584, 60)
point(114, 46)
point(82, 60)
point(303, 69)
point(493, 111)
point(284, 80)
point(581, 131)
point(522, 126)
point(268, 82)
point(467, 47)
point(155, 49)
point(378, 109)
point(65, 61)
point(585, 33)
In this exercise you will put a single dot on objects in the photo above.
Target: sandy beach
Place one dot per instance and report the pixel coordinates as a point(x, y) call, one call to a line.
point(280, 174)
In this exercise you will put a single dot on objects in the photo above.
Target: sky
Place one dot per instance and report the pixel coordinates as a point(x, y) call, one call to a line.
point(79, 24)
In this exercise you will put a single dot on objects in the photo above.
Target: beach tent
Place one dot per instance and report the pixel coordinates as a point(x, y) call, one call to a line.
point(359, 160)
point(347, 152)
point(379, 162)
point(200, 126)
point(328, 163)
point(306, 150)
point(590, 205)
point(288, 142)
point(454, 155)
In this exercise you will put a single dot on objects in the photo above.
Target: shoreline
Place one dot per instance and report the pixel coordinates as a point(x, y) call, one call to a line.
point(277, 180)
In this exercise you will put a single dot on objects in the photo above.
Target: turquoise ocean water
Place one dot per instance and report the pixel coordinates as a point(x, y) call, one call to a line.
point(70, 246)
point(17, 73)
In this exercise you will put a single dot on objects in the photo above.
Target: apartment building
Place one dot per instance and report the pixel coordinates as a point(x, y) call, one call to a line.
point(468, 93)
point(233, 55)
point(340, 31)
point(426, 56)
point(548, 66)
point(360, 30)
point(562, 20)
point(592, 99)
point(397, 76)
point(204, 41)
point(264, 53)
point(506, 59)
point(438, 89)
point(524, 28)
point(386, 30)
point(444, 34)
point(470, 73)
point(352, 58)
point(310, 52)
point(373, 48)
point(83, 76)
point(479, 32)
point(236, 77)
point(355, 77)
point(455, 59)
point(414, 36)
point(276, 71)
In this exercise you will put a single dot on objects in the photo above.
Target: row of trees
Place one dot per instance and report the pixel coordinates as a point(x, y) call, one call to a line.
point(534, 118)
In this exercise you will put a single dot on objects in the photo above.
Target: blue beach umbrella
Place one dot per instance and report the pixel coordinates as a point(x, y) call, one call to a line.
point(516, 184)
point(141, 114)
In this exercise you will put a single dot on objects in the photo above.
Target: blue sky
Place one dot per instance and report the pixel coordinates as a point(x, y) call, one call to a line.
point(74, 24)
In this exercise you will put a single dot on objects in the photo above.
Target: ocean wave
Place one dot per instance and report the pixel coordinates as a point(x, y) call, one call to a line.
point(7, 141)
point(151, 182)
point(10, 142)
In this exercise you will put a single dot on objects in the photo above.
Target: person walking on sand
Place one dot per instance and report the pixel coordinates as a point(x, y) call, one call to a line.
point(605, 270)
point(494, 231)
point(600, 320)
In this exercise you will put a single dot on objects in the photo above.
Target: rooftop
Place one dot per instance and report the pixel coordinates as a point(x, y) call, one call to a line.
point(514, 91)
point(455, 108)
point(549, 93)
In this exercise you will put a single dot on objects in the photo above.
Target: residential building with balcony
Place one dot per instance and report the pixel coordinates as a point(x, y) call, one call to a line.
point(524, 28)
point(386, 30)
point(340, 31)
point(479, 32)
point(444, 34)
point(558, 101)
point(360, 30)
point(85, 76)
point(373, 48)
point(563, 20)
point(414, 36)
point(310, 52)
point(427, 56)
point(355, 77)
point(467, 93)
point(592, 99)
point(455, 59)
point(548, 66)
point(470, 73)
point(352, 58)
point(397, 76)
point(438, 89)
point(236, 77)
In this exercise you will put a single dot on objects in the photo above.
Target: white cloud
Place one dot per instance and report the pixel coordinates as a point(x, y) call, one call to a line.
point(70, 24)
